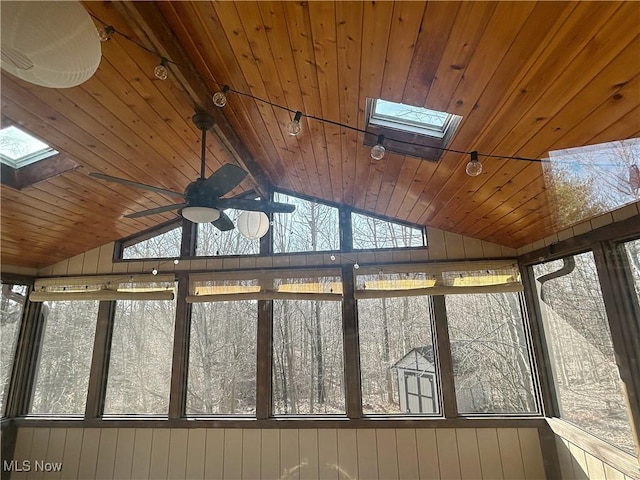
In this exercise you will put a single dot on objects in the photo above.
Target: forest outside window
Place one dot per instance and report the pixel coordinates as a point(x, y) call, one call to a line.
point(632, 250)
point(372, 232)
point(213, 242)
point(490, 353)
point(140, 360)
point(162, 243)
point(397, 357)
point(62, 376)
point(12, 302)
point(587, 380)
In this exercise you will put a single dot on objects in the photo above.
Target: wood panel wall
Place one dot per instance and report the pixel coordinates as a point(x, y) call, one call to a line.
point(578, 464)
point(198, 453)
point(442, 246)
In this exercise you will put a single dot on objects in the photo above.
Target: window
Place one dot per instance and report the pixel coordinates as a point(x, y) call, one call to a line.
point(222, 358)
point(312, 227)
point(371, 232)
point(633, 252)
point(308, 372)
point(64, 363)
point(162, 243)
point(19, 149)
point(409, 118)
point(579, 342)
point(11, 307)
point(141, 356)
point(397, 360)
point(408, 129)
point(490, 354)
point(212, 241)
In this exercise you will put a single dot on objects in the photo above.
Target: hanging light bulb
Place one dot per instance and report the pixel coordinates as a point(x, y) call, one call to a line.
point(294, 127)
point(220, 98)
point(377, 151)
point(474, 167)
point(154, 271)
point(161, 71)
point(105, 33)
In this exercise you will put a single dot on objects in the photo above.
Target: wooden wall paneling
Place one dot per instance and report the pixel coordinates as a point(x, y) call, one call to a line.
point(376, 25)
point(489, 453)
point(620, 129)
point(531, 453)
point(89, 453)
point(454, 245)
point(232, 454)
point(22, 450)
point(387, 453)
point(196, 453)
point(178, 449)
point(510, 453)
point(214, 454)
point(348, 454)
point(613, 474)
point(407, 451)
point(72, 449)
point(367, 453)
point(141, 465)
point(328, 466)
point(160, 448)
point(564, 457)
point(595, 467)
point(405, 177)
point(392, 163)
point(124, 455)
point(448, 459)
point(38, 451)
point(428, 453)
point(289, 454)
point(578, 462)
point(251, 449)
point(75, 265)
point(309, 455)
point(55, 450)
point(105, 462)
point(349, 27)
point(468, 453)
point(416, 193)
point(270, 453)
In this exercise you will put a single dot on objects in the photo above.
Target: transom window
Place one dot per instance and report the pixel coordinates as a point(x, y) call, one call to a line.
point(409, 118)
point(19, 149)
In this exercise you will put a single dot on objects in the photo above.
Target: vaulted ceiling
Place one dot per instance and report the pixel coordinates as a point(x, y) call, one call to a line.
point(527, 78)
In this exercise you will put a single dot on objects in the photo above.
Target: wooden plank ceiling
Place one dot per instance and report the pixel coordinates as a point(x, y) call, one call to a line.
point(527, 77)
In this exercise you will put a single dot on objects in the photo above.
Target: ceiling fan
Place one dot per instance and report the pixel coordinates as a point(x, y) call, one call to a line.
point(202, 199)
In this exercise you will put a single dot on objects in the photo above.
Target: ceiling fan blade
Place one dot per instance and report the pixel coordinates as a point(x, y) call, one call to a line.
point(153, 211)
point(223, 223)
point(255, 205)
point(223, 180)
point(136, 184)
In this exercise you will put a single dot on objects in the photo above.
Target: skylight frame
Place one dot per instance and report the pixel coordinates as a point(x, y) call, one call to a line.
point(387, 120)
point(37, 149)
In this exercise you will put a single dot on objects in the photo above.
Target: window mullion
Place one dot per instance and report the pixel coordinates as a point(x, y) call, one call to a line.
point(264, 401)
point(100, 360)
point(351, 345)
point(179, 369)
point(450, 405)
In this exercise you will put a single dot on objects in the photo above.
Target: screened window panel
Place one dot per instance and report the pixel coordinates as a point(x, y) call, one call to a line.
point(11, 308)
point(371, 233)
point(222, 358)
point(163, 245)
point(312, 227)
point(579, 342)
point(62, 376)
point(633, 252)
point(490, 354)
point(213, 242)
point(397, 360)
point(141, 355)
point(308, 372)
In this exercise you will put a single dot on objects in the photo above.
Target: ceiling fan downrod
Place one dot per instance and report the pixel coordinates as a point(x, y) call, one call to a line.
point(204, 122)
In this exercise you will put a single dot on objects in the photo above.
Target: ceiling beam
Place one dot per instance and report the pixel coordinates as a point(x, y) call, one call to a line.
point(150, 25)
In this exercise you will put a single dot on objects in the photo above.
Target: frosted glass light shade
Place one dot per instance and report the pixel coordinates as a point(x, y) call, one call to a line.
point(52, 44)
point(253, 225)
point(201, 214)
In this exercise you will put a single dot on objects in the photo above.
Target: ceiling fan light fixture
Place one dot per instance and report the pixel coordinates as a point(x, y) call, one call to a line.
point(201, 214)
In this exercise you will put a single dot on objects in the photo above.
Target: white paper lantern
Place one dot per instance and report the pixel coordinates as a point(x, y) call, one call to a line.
point(253, 225)
point(53, 44)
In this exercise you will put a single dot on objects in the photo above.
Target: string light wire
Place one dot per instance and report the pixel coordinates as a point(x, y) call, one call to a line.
point(112, 30)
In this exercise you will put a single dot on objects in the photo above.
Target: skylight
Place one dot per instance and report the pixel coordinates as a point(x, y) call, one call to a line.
point(19, 149)
point(409, 118)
